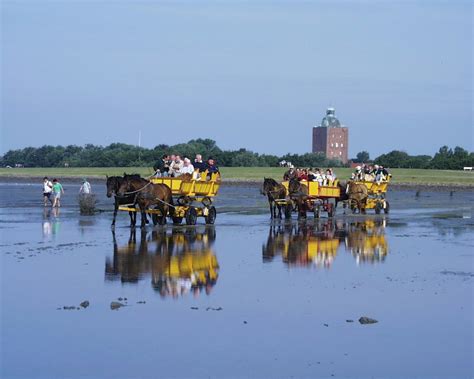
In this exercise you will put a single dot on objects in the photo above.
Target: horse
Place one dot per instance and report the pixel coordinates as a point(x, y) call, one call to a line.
point(113, 185)
point(358, 194)
point(274, 191)
point(299, 193)
point(343, 196)
point(148, 194)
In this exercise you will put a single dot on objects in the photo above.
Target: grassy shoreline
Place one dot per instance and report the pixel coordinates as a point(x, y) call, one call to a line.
point(402, 177)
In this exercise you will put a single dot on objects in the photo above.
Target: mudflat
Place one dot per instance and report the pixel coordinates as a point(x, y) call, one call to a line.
point(353, 296)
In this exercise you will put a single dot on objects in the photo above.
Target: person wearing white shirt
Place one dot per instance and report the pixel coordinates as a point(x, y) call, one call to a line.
point(187, 168)
point(85, 188)
point(47, 191)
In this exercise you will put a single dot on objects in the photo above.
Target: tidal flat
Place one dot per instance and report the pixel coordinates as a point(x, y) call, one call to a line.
point(247, 297)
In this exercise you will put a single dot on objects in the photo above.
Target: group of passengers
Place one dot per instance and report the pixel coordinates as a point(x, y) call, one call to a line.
point(370, 173)
point(173, 166)
point(324, 178)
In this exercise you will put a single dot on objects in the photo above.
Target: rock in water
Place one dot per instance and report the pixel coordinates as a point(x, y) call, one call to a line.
point(85, 304)
point(367, 320)
point(116, 305)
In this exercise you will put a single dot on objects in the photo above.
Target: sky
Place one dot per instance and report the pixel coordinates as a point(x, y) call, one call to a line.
point(252, 74)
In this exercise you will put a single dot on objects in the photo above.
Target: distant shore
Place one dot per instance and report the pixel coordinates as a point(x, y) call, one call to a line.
point(437, 180)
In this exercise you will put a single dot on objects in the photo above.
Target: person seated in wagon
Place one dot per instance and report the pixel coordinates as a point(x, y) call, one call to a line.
point(357, 175)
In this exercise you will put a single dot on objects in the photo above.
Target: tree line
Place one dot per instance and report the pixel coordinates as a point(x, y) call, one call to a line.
point(125, 155)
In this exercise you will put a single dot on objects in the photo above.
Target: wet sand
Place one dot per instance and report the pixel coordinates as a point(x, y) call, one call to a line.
point(245, 298)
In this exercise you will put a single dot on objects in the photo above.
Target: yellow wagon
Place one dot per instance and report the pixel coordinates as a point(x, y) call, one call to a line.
point(192, 198)
point(377, 193)
point(320, 198)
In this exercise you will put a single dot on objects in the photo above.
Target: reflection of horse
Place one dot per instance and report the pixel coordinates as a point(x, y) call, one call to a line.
point(179, 261)
point(304, 244)
point(358, 194)
point(148, 195)
point(113, 185)
point(299, 193)
point(274, 191)
point(307, 244)
point(367, 242)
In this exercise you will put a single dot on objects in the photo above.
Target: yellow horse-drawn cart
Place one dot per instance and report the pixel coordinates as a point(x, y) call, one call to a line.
point(320, 198)
point(376, 195)
point(192, 198)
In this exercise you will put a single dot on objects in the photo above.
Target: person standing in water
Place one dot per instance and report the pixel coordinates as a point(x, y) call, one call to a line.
point(47, 190)
point(86, 188)
point(57, 191)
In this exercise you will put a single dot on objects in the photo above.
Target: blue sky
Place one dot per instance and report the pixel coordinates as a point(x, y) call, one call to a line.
point(247, 74)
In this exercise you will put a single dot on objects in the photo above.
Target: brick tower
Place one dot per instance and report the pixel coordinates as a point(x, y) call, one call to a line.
point(331, 138)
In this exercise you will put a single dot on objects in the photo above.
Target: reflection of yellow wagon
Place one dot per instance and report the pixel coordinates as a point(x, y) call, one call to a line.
point(192, 199)
point(318, 200)
point(376, 192)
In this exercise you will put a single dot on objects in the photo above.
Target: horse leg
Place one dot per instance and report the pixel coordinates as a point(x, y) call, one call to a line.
point(115, 213)
point(279, 211)
point(270, 203)
point(133, 218)
point(142, 212)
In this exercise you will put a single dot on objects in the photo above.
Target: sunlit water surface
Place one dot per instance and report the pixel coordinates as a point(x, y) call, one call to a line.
point(244, 298)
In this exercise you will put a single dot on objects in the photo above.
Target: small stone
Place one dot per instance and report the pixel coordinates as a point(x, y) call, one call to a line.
point(326, 325)
point(194, 308)
point(119, 299)
point(141, 302)
point(69, 308)
point(85, 304)
point(245, 322)
point(125, 298)
point(367, 320)
point(349, 320)
point(116, 305)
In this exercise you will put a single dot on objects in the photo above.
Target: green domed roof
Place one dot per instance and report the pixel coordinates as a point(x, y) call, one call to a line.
point(330, 120)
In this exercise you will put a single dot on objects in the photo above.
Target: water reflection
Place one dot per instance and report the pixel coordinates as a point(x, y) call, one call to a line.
point(178, 261)
point(50, 224)
point(318, 244)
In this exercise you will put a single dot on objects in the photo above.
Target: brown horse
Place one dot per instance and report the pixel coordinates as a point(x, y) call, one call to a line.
point(274, 191)
point(299, 193)
point(148, 195)
point(358, 194)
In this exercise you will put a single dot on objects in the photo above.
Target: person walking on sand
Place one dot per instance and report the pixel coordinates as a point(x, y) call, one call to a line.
point(57, 191)
point(86, 188)
point(47, 189)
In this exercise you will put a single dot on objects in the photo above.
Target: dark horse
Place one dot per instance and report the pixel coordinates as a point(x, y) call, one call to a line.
point(343, 194)
point(113, 185)
point(274, 191)
point(148, 195)
point(298, 193)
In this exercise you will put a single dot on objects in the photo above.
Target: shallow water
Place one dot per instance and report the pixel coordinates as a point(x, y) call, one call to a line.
point(245, 298)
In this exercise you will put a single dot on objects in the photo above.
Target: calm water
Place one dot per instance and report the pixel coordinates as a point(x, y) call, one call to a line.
point(245, 298)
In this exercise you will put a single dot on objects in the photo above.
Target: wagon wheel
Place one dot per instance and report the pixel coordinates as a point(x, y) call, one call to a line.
point(211, 216)
point(191, 216)
point(288, 210)
point(387, 207)
point(206, 201)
